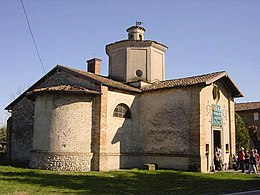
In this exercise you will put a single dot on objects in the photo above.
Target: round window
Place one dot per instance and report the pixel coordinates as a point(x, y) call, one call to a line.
point(139, 73)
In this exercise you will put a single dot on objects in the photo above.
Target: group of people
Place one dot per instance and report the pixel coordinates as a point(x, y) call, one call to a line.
point(247, 160)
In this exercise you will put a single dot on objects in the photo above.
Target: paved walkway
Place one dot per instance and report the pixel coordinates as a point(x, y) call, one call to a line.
point(253, 192)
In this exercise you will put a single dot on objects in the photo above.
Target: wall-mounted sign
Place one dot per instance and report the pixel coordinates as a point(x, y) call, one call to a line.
point(216, 115)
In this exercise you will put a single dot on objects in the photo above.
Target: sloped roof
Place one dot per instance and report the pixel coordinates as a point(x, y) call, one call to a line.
point(64, 88)
point(204, 79)
point(247, 106)
point(102, 79)
point(88, 75)
point(61, 88)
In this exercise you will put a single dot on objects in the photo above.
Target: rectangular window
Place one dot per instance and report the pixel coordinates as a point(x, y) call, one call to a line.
point(207, 148)
point(256, 116)
point(227, 148)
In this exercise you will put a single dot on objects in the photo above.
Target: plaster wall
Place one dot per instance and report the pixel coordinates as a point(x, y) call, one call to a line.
point(137, 60)
point(117, 64)
point(166, 121)
point(157, 67)
point(62, 123)
point(207, 135)
point(122, 133)
point(126, 57)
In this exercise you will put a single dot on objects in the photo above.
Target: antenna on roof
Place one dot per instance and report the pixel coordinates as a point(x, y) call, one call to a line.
point(138, 23)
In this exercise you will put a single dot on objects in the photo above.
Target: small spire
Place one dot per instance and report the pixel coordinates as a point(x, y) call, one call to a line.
point(136, 33)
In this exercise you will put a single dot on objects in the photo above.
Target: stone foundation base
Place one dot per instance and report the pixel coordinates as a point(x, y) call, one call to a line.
point(61, 161)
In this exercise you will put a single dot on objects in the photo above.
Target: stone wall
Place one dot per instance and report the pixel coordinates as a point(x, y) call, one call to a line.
point(63, 123)
point(60, 161)
point(21, 130)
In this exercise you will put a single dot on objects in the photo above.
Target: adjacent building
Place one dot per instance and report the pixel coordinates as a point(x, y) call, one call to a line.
point(250, 111)
point(81, 121)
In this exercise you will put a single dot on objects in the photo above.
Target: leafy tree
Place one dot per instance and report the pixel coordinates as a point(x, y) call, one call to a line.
point(2, 138)
point(242, 136)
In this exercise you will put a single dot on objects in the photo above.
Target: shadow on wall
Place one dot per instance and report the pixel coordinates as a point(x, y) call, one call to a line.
point(127, 135)
point(158, 132)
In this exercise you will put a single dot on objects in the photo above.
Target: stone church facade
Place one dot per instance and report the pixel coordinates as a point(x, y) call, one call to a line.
point(82, 121)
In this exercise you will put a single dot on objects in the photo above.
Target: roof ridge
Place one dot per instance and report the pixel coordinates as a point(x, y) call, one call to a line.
point(253, 102)
point(196, 76)
point(103, 79)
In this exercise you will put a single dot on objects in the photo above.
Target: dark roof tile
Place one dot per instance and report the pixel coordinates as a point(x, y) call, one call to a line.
point(247, 106)
point(103, 80)
point(61, 88)
point(183, 82)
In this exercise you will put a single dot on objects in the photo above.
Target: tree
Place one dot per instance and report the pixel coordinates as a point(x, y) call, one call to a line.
point(252, 130)
point(242, 136)
point(2, 138)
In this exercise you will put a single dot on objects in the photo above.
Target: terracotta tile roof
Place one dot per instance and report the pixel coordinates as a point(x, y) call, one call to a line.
point(138, 27)
point(136, 41)
point(98, 79)
point(102, 79)
point(61, 88)
point(247, 106)
point(188, 81)
point(69, 88)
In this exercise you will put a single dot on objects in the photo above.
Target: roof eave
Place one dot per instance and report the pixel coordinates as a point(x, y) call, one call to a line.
point(236, 93)
point(10, 106)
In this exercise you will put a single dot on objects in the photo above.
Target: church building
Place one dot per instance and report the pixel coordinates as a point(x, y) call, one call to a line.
point(82, 121)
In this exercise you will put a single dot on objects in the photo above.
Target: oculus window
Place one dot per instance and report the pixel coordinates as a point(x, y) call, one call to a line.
point(122, 111)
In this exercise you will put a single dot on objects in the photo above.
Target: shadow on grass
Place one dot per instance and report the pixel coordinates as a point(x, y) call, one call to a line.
point(133, 182)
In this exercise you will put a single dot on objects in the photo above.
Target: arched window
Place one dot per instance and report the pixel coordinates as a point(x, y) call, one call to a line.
point(140, 37)
point(130, 37)
point(122, 111)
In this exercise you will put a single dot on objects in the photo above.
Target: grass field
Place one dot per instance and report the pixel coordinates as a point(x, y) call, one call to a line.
point(21, 181)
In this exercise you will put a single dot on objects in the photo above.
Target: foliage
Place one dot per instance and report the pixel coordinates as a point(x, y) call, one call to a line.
point(3, 135)
point(242, 136)
point(2, 138)
point(29, 181)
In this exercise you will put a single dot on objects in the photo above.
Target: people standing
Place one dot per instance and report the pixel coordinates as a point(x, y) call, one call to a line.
point(257, 157)
point(241, 159)
point(217, 162)
point(252, 162)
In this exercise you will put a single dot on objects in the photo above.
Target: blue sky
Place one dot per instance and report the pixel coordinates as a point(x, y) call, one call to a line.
point(202, 35)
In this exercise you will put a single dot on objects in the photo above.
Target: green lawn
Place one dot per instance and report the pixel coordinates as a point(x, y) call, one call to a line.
point(29, 181)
